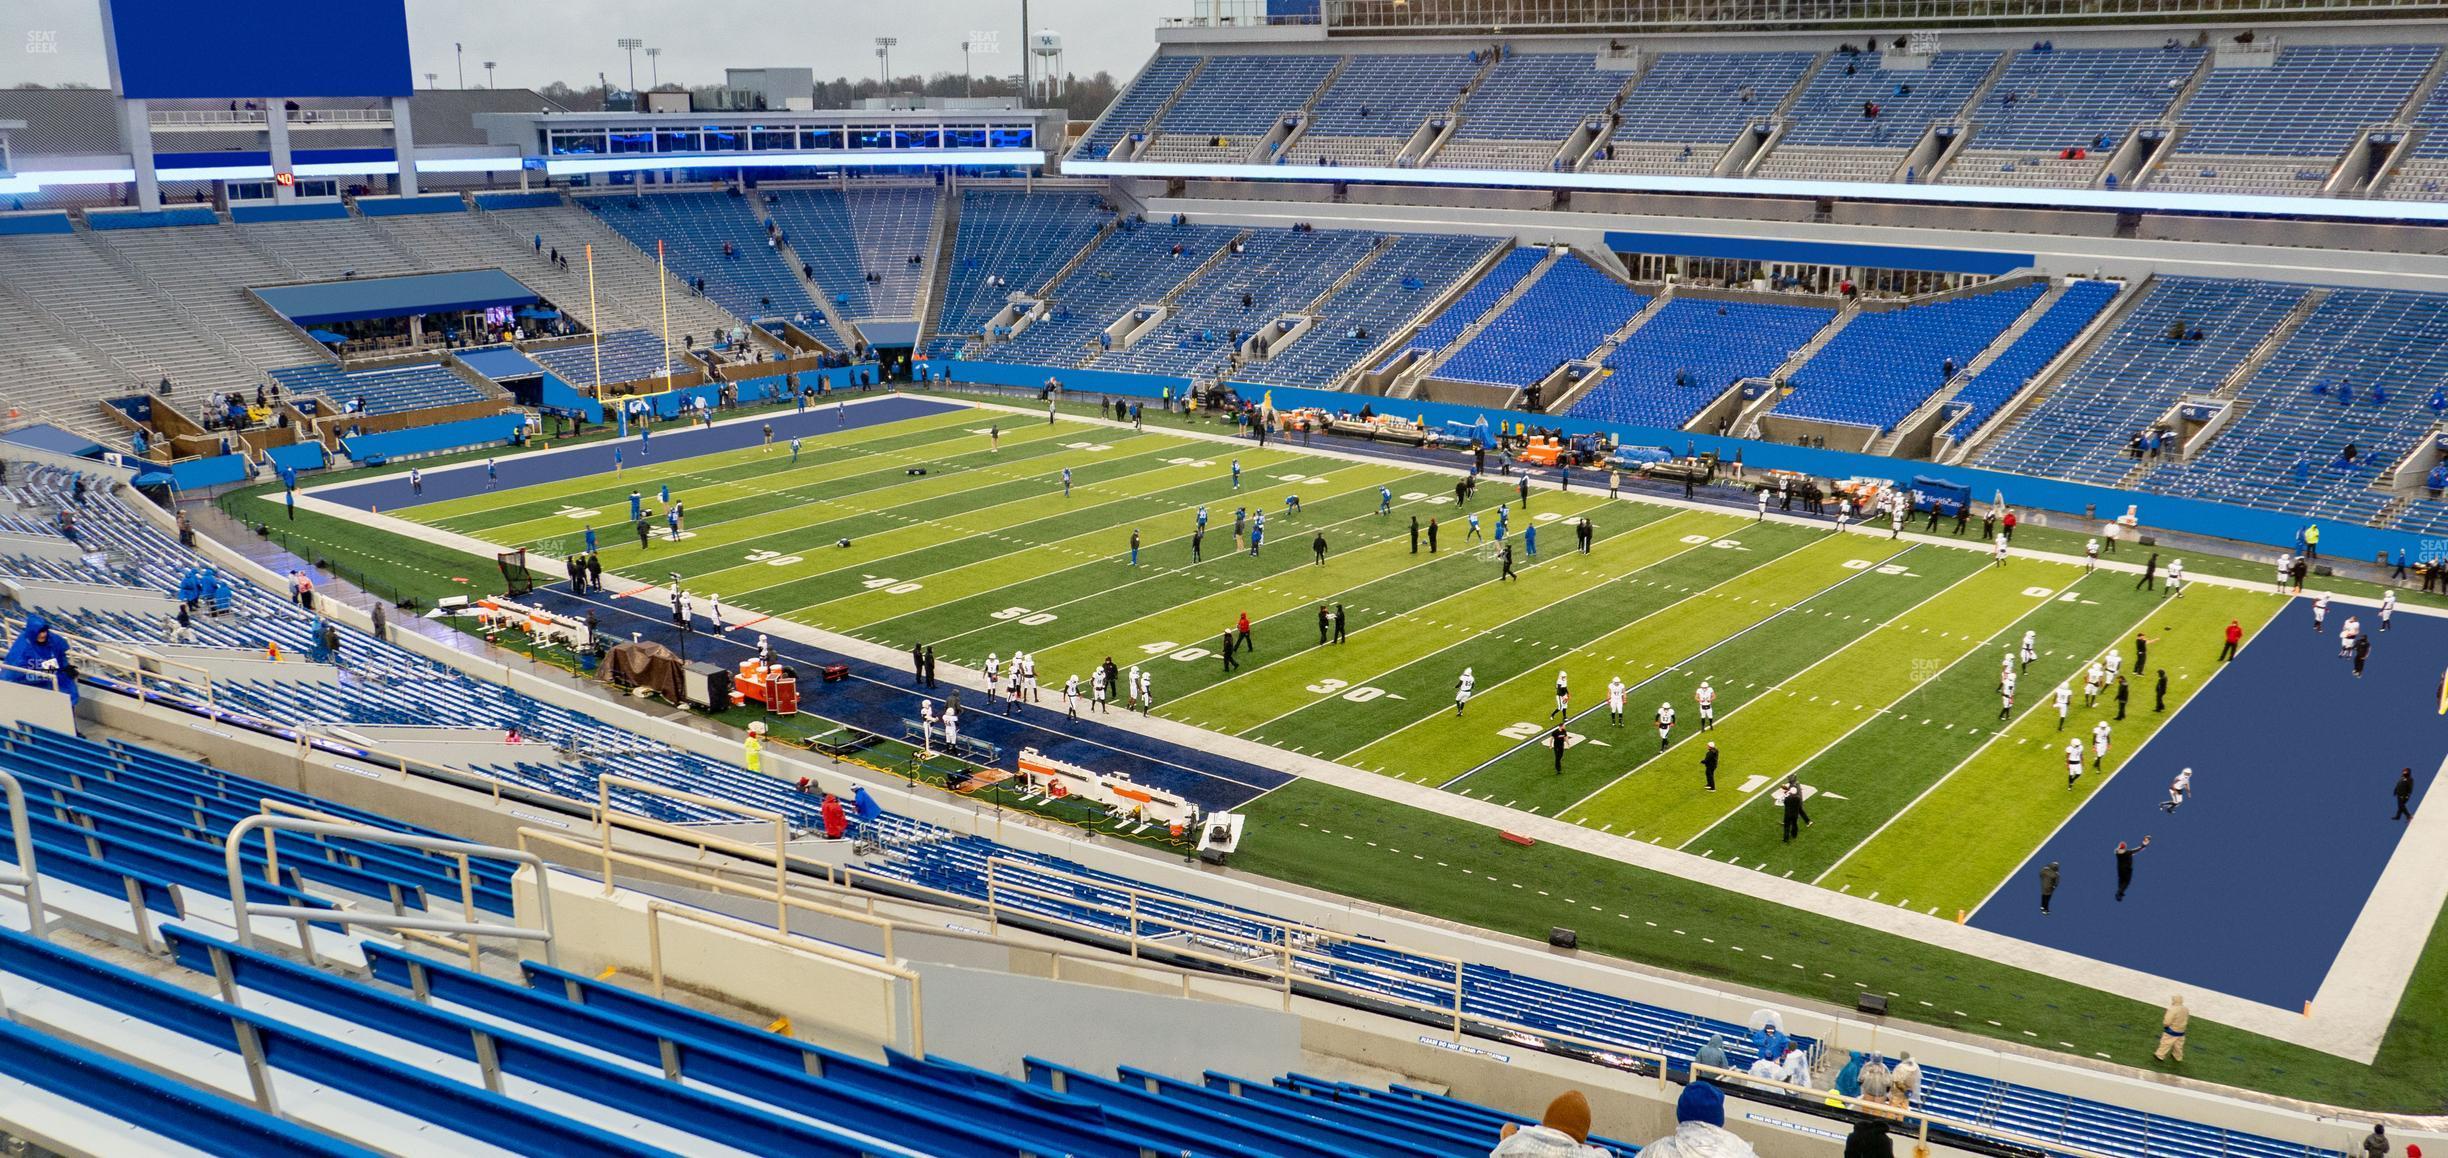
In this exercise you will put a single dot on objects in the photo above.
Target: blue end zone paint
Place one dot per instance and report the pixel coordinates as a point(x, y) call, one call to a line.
point(2288, 828)
point(877, 699)
point(460, 481)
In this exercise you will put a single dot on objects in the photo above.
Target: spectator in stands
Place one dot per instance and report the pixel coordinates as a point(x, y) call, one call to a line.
point(1699, 1128)
point(1877, 1082)
point(38, 649)
point(1907, 1079)
point(1562, 1132)
point(1712, 1053)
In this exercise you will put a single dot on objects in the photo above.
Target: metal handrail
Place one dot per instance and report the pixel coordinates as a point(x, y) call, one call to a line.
point(26, 875)
point(243, 912)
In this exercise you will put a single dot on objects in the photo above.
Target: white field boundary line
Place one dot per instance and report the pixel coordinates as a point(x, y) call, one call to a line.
point(737, 490)
point(907, 524)
point(2101, 783)
point(1745, 573)
point(1262, 586)
point(587, 447)
point(1765, 691)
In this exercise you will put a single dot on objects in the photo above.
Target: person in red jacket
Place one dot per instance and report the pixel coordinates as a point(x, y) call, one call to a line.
point(835, 824)
point(2235, 637)
point(2010, 525)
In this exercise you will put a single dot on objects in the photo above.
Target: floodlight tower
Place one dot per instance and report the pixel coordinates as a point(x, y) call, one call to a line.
point(884, 47)
point(630, 45)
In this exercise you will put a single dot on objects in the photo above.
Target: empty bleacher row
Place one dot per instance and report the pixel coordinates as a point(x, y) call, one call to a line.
point(1883, 364)
point(1274, 272)
point(97, 315)
point(1691, 351)
point(2305, 107)
point(846, 235)
point(2082, 99)
point(406, 1053)
point(1563, 316)
point(1440, 331)
point(2264, 122)
point(1010, 242)
point(719, 237)
point(1133, 267)
point(1377, 103)
point(386, 390)
point(2367, 369)
point(2081, 428)
point(1412, 273)
point(2422, 174)
point(625, 356)
point(2028, 355)
point(1232, 103)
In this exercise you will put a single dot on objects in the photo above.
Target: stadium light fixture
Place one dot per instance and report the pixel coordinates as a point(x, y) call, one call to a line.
point(488, 65)
point(884, 47)
point(968, 81)
point(459, 61)
point(654, 68)
point(433, 80)
point(630, 45)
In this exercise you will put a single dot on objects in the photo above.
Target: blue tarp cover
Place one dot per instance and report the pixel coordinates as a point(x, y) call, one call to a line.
point(394, 297)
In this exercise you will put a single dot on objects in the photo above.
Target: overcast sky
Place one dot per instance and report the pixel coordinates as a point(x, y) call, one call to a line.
point(540, 41)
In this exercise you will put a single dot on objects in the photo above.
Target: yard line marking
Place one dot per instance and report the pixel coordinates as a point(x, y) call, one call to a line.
point(1908, 693)
point(1459, 642)
point(1669, 669)
point(1105, 556)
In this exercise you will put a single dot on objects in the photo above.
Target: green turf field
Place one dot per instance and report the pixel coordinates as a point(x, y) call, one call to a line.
point(1868, 665)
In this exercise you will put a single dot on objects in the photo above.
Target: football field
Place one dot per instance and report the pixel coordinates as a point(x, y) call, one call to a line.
point(1868, 665)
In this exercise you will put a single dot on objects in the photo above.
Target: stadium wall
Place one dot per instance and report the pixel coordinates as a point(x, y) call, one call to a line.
point(2271, 529)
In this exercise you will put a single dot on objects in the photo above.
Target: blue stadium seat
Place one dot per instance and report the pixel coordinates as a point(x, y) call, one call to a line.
point(1565, 314)
point(1689, 352)
point(1019, 237)
point(2081, 429)
point(1885, 363)
point(389, 390)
